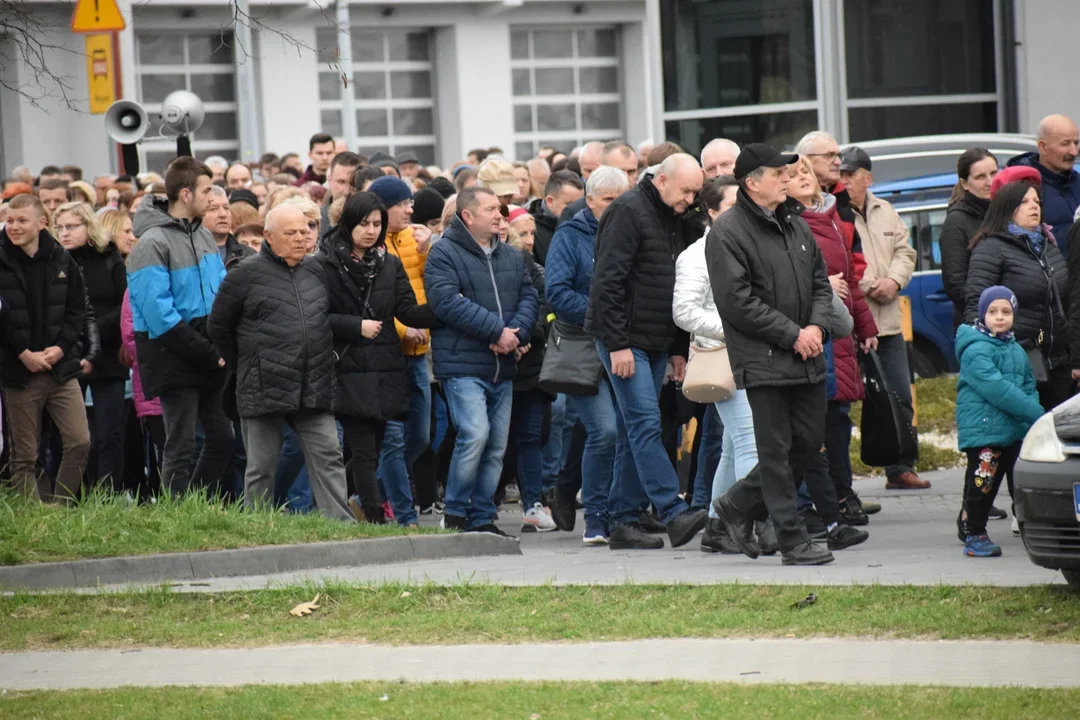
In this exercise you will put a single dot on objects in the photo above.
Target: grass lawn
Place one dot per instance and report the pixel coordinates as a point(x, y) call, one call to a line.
point(430, 614)
point(103, 525)
point(549, 701)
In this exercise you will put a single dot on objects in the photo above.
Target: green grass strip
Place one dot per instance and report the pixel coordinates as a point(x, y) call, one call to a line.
point(104, 525)
point(550, 701)
point(463, 614)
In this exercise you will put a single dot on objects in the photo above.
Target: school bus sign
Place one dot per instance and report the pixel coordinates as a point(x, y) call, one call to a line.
point(100, 72)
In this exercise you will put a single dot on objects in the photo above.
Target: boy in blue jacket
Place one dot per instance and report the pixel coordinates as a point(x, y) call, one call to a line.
point(996, 404)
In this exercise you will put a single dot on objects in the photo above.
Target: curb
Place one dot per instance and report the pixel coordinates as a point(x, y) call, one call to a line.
point(262, 560)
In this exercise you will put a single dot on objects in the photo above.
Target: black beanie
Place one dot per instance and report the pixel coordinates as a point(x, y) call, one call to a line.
point(427, 205)
point(442, 186)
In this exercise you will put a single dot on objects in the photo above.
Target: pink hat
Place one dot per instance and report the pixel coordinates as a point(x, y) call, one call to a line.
point(1015, 173)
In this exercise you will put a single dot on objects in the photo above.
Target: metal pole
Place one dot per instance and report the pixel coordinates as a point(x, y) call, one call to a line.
point(345, 62)
point(244, 60)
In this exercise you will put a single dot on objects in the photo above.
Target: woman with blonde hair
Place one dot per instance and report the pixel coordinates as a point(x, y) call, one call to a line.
point(118, 226)
point(243, 213)
point(314, 219)
point(82, 234)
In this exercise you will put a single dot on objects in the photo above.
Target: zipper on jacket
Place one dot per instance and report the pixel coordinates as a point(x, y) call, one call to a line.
point(300, 307)
point(1049, 273)
point(498, 303)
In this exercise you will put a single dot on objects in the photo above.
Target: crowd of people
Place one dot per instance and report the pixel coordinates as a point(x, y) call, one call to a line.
point(373, 339)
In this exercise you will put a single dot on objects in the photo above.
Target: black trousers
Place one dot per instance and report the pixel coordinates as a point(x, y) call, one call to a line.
point(789, 425)
point(365, 442)
point(569, 481)
point(1057, 389)
point(985, 470)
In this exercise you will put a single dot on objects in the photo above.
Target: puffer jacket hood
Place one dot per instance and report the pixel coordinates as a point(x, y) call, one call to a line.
point(154, 213)
point(996, 399)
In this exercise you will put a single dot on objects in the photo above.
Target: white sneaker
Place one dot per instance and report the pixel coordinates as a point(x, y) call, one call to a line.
point(1015, 526)
point(537, 519)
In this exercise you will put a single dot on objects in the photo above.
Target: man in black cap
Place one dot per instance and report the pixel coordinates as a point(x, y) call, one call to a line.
point(772, 292)
point(890, 262)
point(408, 165)
point(386, 163)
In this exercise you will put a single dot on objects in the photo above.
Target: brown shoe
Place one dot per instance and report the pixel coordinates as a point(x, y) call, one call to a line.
point(907, 481)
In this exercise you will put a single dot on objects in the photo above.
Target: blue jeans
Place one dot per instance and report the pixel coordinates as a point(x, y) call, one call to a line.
point(598, 464)
point(529, 423)
point(740, 447)
point(403, 442)
point(480, 411)
point(637, 400)
point(710, 452)
point(553, 451)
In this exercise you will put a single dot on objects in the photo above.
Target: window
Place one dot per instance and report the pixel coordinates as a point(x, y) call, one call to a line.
point(393, 87)
point(566, 88)
point(944, 83)
point(740, 69)
point(201, 63)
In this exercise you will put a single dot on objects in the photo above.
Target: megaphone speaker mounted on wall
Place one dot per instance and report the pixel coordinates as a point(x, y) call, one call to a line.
point(126, 122)
point(181, 113)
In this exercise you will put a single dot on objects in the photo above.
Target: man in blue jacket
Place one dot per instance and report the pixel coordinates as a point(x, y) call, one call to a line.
point(1059, 144)
point(173, 276)
point(480, 290)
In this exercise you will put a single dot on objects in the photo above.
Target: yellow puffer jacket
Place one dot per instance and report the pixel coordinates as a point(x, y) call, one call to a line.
point(403, 245)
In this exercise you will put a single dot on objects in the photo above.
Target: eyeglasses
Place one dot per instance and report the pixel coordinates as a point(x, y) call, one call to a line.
point(69, 228)
point(830, 156)
point(406, 203)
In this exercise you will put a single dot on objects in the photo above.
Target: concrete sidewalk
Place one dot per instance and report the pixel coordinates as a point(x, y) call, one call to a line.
point(912, 541)
point(862, 662)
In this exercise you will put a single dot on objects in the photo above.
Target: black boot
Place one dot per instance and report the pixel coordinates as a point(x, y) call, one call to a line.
point(562, 512)
point(766, 537)
point(852, 511)
point(684, 526)
point(739, 527)
point(651, 524)
point(632, 537)
point(715, 539)
point(809, 553)
point(843, 536)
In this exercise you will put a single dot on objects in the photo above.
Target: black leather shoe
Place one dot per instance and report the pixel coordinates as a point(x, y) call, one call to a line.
point(815, 526)
point(852, 512)
point(766, 537)
point(715, 539)
point(563, 513)
point(809, 553)
point(633, 537)
point(684, 526)
point(961, 527)
point(843, 536)
point(739, 527)
point(997, 514)
point(651, 524)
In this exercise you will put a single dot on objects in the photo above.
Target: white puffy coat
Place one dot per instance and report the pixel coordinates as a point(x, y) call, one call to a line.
point(693, 306)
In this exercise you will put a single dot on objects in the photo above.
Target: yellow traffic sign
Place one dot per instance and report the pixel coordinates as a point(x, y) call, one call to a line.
point(100, 72)
point(92, 16)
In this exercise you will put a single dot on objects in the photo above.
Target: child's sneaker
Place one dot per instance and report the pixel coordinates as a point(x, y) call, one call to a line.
point(537, 519)
point(596, 532)
point(981, 546)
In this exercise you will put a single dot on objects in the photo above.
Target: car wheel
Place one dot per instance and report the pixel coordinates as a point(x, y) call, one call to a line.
point(1073, 578)
point(923, 366)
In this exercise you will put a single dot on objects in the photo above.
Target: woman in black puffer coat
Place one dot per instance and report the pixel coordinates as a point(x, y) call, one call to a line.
point(368, 289)
point(970, 200)
point(1012, 250)
point(81, 233)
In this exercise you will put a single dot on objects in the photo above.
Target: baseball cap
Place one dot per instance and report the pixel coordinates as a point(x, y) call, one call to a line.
point(407, 157)
point(854, 158)
point(1015, 173)
point(759, 155)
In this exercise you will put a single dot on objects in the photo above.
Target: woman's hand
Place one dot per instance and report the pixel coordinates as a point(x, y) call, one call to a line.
point(370, 328)
point(839, 286)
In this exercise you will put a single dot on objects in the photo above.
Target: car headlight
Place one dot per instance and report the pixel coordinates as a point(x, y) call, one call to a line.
point(1041, 444)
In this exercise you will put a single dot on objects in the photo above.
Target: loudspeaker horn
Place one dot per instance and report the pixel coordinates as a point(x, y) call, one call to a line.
point(181, 113)
point(126, 122)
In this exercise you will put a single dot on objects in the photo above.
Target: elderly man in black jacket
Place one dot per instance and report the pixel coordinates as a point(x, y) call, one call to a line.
point(772, 291)
point(629, 313)
point(271, 322)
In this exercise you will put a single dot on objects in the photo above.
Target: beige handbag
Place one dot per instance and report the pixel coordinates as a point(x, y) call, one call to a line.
point(708, 375)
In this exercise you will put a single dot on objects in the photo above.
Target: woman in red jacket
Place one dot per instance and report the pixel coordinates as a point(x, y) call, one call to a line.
point(819, 211)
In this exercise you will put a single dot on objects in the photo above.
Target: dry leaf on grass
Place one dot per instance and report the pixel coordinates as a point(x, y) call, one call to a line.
point(306, 608)
point(406, 594)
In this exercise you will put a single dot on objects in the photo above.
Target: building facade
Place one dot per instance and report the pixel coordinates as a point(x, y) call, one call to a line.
point(439, 77)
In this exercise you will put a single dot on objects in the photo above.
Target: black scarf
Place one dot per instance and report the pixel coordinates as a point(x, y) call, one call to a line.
point(362, 269)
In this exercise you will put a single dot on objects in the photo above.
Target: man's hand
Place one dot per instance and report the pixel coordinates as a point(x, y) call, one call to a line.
point(35, 361)
point(370, 328)
point(870, 344)
point(839, 286)
point(87, 367)
point(885, 290)
point(415, 336)
point(622, 363)
point(53, 355)
point(125, 357)
point(808, 344)
point(521, 352)
point(678, 368)
point(508, 341)
point(221, 362)
point(423, 238)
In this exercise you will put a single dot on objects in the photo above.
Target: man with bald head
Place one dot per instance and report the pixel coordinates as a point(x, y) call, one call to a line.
point(629, 313)
point(589, 158)
point(617, 153)
point(718, 157)
point(1059, 145)
point(271, 323)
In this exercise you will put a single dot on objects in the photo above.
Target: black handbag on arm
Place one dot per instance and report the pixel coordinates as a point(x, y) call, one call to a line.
point(886, 435)
point(571, 362)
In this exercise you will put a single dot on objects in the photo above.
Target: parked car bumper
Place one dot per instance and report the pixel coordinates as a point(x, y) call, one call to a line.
point(1046, 512)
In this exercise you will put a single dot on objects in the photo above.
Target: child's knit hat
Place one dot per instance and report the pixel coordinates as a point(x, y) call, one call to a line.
point(990, 294)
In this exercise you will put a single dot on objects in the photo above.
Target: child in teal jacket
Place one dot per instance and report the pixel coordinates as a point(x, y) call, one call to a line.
point(996, 404)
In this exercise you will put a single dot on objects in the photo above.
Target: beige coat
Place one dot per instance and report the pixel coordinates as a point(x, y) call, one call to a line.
point(884, 236)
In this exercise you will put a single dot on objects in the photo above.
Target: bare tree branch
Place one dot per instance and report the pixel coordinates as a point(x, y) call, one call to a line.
point(31, 34)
